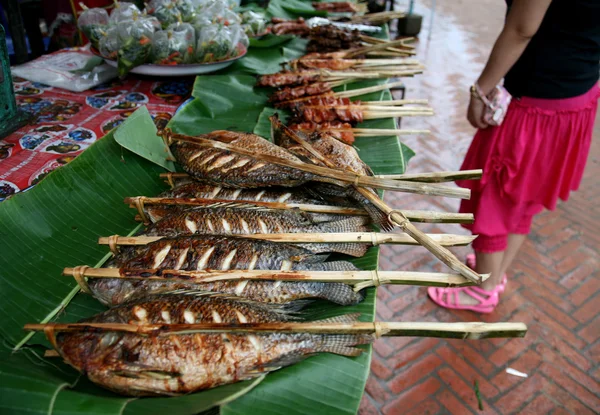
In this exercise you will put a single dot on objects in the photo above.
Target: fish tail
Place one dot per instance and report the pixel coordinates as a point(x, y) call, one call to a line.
point(351, 224)
point(352, 249)
point(344, 344)
point(379, 217)
point(337, 266)
point(340, 293)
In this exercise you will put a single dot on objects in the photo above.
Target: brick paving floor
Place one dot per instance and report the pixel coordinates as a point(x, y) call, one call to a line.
point(553, 286)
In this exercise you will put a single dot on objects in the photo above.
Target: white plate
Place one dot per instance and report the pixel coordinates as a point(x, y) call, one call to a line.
point(178, 70)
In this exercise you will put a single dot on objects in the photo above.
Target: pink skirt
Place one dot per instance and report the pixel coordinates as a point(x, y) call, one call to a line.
point(534, 158)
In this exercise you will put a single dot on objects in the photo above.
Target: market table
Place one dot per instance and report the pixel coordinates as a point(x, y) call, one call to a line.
point(65, 123)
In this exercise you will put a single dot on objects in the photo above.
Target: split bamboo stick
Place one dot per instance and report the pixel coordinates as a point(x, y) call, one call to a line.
point(372, 238)
point(139, 202)
point(387, 329)
point(437, 177)
point(360, 279)
point(342, 176)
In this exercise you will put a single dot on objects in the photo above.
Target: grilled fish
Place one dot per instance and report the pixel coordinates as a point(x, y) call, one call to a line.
point(135, 365)
point(193, 189)
point(222, 253)
point(341, 155)
point(224, 168)
point(252, 220)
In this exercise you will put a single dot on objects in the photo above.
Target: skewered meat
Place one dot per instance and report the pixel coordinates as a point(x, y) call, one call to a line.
point(321, 114)
point(288, 94)
point(251, 220)
point(224, 168)
point(137, 365)
point(336, 7)
point(333, 64)
point(333, 32)
point(222, 253)
point(341, 155)
point(193, 189)
point(288, 78)
point(328, 127)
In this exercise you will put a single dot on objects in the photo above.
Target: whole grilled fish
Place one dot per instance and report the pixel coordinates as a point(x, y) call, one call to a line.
point(224, 168)
point(341, 155)
point(222, 253)
point(193, 189)
point(252, 220)
point(136, 365)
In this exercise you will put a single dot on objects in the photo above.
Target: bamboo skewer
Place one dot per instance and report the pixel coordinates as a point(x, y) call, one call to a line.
point(360, 279)
point(139, 202)
point(343, 176)
point(377, 47)
point(397, 217)
point(373, 238)
point(437, 177)
point(378, 329)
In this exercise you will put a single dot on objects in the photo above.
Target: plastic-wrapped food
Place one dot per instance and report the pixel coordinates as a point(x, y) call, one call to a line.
point(108, 46)
point(164, 10)
point(187, 9)
point(135, 41)
point(214, 44)
point(94, 23)
point(218, 12)
point(254, 23)
point(123, 12)
point(174, 46)
point(239, 41)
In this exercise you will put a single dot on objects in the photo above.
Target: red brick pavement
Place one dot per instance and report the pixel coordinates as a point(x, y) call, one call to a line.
point(553, 286)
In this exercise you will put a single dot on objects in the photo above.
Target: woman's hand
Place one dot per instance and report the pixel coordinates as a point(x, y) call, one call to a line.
point(475, 113)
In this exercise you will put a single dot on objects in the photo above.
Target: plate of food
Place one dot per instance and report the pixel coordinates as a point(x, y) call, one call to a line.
point(169, 38)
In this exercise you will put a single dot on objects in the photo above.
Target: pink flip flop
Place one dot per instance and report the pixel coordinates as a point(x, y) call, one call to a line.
point(449, 298)
point(471, 264)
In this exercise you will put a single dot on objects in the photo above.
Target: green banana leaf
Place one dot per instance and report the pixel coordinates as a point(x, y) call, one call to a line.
point(56, 225)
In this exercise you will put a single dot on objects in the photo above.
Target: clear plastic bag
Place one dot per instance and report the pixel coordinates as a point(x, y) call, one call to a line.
point(174, 46)
point(165, 11)
point(214, 44)
point(123, 12)
point(93, 23)
point(239, 41)
point(135, 43)
point(108, 45)
point(219, 12)
point(253, 23)
point(72, 70)
point(187, 9)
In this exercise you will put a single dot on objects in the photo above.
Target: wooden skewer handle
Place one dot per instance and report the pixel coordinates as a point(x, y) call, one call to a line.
point(350, 237)
point(387, 329)
point(363, 278)
point(437, 177)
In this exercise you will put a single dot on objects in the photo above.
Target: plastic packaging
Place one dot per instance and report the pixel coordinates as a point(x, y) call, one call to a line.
point(123, 12)
point(253, 23)
point(174, 46)
point(214, 44)
point(135, 43)
point(72, 70)
point(93, 23)
point(187, 9)
point(239, 41)
point(108, 46)
point(165, 11)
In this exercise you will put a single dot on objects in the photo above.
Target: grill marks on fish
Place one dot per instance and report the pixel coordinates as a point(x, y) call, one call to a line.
point(222, 167)
point(221, 253)
point(136, 365)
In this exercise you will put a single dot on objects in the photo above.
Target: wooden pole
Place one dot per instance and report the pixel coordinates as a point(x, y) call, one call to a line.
point(387, 329)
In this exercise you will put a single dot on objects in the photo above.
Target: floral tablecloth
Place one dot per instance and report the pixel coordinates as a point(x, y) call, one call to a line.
point(65, 123)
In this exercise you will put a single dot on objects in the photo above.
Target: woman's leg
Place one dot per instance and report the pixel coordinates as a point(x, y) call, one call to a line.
point(491, 263)
point(515, 241)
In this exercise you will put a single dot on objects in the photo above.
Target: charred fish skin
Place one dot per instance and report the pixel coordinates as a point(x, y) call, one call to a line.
point(194, 189)
point(250, 220)
point(135, 365)
point(223, 167)
point(219, 253)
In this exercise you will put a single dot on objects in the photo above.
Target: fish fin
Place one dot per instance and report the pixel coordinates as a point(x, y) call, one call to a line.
point(344, 318)
point(280, 362)
point(343, 344)
point(379, 217)
point(351, 224)
point(352, 249)
point(232, 205)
